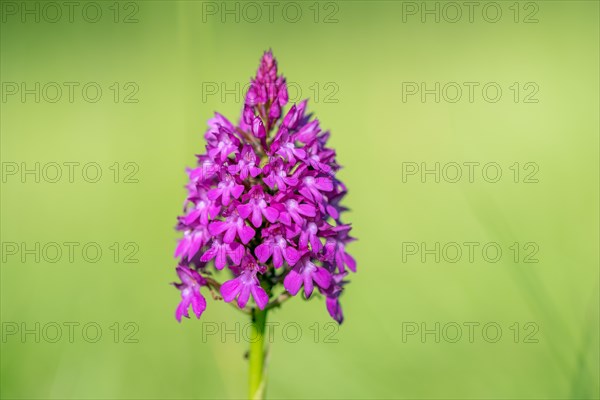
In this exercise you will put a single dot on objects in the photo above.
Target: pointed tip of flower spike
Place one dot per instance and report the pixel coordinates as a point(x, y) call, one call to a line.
point(267, 69)
point(267, 59)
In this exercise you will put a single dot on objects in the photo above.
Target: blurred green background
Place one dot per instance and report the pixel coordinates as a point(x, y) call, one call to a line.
point(351, 58)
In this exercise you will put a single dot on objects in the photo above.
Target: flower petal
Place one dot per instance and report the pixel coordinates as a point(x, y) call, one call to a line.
point(293, 282)
point(244, 210)
point(285, 219)
point(277, 257)
point(246, 234)
point(263, 252)
point(237, 190)
point(308, 285)
point(270, 214)
point(236, 252)
point(198, 304)
point(221, 257)
point(256, 217)
point(307, 209)
point(335, 309)
point(209, 254)
point(291, 255)
point(244, 296)
point(217, 227)
point(182, 310)
point(350, 262)
point(229, 236)
point(260, 296)
point(322, 277)
point(230, 289)
point(324, 184)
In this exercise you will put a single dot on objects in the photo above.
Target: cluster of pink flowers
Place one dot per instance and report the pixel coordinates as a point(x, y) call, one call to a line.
point(264, 203)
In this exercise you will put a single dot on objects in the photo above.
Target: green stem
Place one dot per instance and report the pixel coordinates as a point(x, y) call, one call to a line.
point(257, 376)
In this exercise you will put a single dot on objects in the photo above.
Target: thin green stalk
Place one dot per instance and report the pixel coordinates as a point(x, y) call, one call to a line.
point(257, 381)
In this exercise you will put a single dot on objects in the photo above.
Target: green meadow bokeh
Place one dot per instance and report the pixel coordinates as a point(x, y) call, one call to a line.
point(359, 63)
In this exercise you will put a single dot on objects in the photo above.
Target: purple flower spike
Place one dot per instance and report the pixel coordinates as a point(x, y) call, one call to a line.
point(190, 285)
point(264, 187)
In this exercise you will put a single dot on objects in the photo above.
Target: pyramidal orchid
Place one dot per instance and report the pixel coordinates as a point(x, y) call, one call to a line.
point(263, 206)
